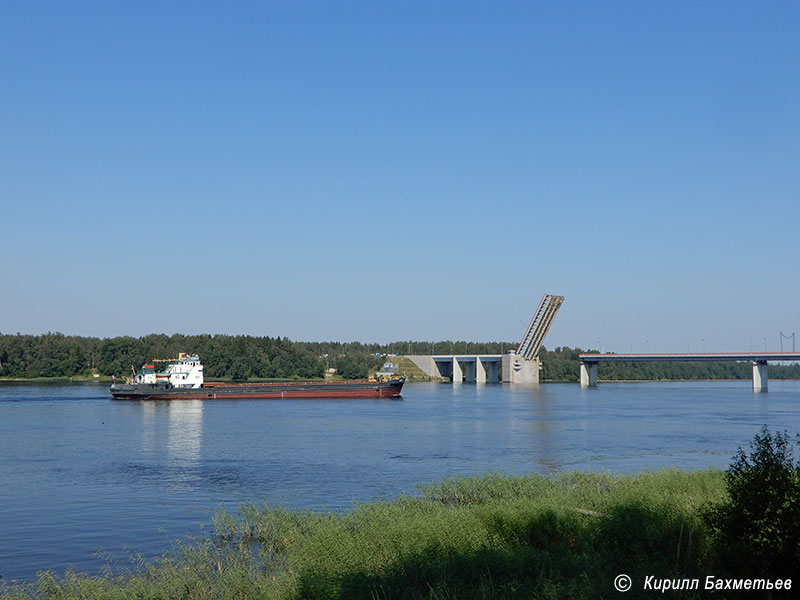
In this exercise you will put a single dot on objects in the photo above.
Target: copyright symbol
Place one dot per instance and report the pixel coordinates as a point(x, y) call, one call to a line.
point(622, 583)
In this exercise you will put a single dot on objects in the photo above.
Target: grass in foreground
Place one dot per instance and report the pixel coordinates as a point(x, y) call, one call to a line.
point(482, 537)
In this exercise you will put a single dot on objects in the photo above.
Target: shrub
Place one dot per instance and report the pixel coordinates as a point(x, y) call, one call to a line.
point(757, 529)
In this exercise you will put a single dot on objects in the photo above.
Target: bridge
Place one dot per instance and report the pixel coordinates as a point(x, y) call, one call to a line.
point(470, 368)
point(521, 366)
point(759, 360)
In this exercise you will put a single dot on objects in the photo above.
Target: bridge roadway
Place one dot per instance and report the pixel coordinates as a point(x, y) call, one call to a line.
point(589, 362)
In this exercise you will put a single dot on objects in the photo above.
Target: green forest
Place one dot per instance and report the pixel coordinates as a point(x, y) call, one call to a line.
point(246, 357)
point(224, 356)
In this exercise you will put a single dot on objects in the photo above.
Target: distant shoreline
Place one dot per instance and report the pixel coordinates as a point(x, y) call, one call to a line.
point(66, 379)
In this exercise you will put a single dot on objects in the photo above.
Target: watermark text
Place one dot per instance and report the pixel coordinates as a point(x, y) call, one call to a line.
point(623, 583)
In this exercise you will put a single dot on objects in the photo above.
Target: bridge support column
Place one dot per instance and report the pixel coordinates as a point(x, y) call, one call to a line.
point(760, 382)
point(588, 375)
point(480, 371)
point(458, 374)
point(517, 369)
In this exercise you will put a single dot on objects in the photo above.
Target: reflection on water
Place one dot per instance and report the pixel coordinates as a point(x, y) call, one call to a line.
point(148, 412)
point(185, 430)
point(171, 435)
point(171, 444)
point(544, 435)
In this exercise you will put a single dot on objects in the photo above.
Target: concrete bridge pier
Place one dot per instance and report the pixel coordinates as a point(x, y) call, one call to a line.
point(760, 381)
point(588, 374)
point(480, 371)
point(458, 374)
point(518, 369)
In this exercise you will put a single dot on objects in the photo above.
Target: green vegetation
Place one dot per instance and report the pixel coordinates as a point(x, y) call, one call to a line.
point(411, 370)
point(481, 537)
point(246, 357)
point(758, 526)
point(240, 357)
point(224, 357)
point(492, 536)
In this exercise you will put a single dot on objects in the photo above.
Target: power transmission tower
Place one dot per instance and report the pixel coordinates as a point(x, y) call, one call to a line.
point(788, 337)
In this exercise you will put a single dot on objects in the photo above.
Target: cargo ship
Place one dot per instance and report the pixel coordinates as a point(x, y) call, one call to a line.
point(182, 379)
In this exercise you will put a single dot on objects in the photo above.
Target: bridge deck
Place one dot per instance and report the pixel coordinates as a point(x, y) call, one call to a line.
point(735, 356)
point(468, 357)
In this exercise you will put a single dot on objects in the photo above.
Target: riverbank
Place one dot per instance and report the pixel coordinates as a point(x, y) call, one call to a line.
point(493, 536)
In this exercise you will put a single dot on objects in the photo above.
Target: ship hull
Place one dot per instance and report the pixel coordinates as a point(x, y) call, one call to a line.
point(265, 391)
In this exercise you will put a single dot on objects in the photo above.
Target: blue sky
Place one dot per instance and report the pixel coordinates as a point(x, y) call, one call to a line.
point(378, 171)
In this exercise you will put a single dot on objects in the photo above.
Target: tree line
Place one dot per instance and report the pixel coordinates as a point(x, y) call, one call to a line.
point(223, 356)
point(249, 357)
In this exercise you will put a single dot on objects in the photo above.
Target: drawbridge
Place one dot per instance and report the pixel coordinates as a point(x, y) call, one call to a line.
point(539, 326)
point(521, 366)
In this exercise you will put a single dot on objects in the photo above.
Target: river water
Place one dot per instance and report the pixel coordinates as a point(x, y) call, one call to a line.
point(83, 477)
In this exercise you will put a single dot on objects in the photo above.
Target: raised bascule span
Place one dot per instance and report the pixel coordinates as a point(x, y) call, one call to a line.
point(521, 366)
point(589, 362)
point(539, 326)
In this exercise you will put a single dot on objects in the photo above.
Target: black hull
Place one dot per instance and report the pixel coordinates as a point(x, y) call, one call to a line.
point(304, 389)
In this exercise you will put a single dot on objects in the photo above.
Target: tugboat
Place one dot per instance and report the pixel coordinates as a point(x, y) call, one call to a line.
point(183, 380)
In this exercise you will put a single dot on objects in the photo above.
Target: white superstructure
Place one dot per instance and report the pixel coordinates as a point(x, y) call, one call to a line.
point(187, 372)
point(147, 374)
